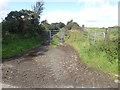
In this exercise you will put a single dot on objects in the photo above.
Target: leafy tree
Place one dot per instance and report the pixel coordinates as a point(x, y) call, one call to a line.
point(24, 21)
point(44, 22)
point(20, 22)
point(71, 21)
point(52, 26)
point(61, 25)
point(11, 22)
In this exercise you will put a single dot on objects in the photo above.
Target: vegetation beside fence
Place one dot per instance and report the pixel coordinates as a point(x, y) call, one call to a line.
point(101, 55)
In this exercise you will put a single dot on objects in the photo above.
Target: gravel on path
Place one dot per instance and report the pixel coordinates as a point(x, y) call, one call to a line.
point(50, 67)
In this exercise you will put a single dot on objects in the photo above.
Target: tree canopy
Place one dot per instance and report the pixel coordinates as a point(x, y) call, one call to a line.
point(52, 26)
point(72, 25)
point(25, 22)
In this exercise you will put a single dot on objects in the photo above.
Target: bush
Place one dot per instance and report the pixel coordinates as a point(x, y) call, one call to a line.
point(72, 26)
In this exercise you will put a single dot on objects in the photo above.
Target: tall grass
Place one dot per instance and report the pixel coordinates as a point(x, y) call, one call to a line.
point(101, 55)
point(15, 44)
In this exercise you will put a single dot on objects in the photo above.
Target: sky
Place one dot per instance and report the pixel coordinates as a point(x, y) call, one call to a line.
point(91, 13)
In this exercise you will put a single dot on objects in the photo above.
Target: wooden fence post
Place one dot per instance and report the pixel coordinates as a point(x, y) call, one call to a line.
point(107, 34)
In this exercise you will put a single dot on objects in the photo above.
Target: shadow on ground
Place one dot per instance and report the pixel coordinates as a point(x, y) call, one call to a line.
point(31, 53)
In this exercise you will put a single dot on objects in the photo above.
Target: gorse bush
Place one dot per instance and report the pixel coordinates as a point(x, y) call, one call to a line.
point(14, 23)
point(72, 25)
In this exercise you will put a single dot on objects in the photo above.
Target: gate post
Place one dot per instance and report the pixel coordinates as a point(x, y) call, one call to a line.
point(107, 34)
point(83, 27)
point(50, 35)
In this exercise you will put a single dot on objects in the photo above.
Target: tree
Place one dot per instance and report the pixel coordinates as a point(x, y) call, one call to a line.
point(20, 22)
point(24, 22)
point(61, 25)
point(44, 22)
point(12, 22)
point(71, 21)
point(38, 9)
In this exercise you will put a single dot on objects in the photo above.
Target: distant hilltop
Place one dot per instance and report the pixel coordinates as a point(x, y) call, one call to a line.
point(116, 26)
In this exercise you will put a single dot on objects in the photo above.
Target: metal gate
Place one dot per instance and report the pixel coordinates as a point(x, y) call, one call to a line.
point(53, 32)
point(60, 33)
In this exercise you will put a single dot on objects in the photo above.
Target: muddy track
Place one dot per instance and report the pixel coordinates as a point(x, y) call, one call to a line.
point(49, 67)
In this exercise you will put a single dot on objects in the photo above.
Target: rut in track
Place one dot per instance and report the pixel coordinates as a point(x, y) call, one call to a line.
point(48, 67)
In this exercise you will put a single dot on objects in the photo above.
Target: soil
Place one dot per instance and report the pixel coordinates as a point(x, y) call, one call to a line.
point(48, 67)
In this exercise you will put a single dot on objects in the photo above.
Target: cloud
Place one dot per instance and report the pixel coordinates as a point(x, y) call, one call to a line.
point(94, 13)
point(38, 0)
point(97, 1)
point(103, 16)
point(3, 9)
point(79, 1)
point(3, 14)
point(3, 5)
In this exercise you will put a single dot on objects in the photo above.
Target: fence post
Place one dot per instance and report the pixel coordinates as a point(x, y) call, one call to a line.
point(82, 30)
point(107, 35)
point(83, 27)
point(103, 36)
point(95, 38)
point(88, 37)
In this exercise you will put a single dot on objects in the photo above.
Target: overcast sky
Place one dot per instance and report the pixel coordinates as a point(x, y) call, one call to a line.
point(91, 13)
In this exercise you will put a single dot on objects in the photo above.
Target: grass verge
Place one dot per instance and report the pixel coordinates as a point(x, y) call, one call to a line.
point(101, 55)
point(16, 44)
point(55, 41)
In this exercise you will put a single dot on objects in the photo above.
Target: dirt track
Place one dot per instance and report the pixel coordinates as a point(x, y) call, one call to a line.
point(49, 67)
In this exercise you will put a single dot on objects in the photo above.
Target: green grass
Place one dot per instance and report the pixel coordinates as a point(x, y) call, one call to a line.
point(95, 29)
point(112, 30)
point(101, 55)
point(55, 40)
point(15, 44)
